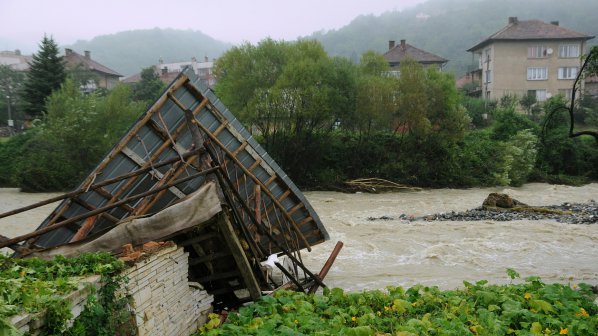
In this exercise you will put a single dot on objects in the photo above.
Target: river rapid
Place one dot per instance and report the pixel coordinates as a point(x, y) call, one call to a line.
point(444, 253)
point(378, 253)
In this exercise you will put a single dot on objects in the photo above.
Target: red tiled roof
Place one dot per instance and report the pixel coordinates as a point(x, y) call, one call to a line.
point(403, 51)
point(532, 30)
point(75, 59)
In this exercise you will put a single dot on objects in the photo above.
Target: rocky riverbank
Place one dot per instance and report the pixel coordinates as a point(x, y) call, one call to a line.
point(572, 213)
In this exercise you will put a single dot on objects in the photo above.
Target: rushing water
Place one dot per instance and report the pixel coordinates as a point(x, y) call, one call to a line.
point(396, 252)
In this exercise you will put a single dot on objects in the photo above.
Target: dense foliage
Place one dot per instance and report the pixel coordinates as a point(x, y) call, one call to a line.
point(414, 128)
point(529, 308)
point(36, 286)
point(77, 131)
point(149, 88)
point(46, 74)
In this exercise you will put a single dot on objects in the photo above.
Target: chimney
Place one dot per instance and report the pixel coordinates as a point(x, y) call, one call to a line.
point(391, 44)
point(160, 60)
point(68, 51)
point(513, 19)
point(556, 23)
point(87, 54)
point(17, 52)
point(206, 59)
point(403, 45)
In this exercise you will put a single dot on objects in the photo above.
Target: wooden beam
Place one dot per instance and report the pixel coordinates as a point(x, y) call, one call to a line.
point(239, 254)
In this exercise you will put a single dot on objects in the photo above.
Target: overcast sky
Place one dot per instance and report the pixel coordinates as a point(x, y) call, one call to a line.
point(24, 22)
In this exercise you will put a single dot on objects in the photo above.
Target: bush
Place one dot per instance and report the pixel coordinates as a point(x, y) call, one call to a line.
point(10, 153)
point(77, 131)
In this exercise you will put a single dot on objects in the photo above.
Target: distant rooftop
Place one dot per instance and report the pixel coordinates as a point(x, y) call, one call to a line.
point(532, 30)
point(402, 51)
point(15, 60)
point(74, 59)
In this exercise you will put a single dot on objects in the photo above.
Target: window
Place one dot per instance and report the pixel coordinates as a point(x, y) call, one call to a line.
point(569, 50)
point(566, 93)
point(536, 52)
point(540, 94)
point(537, 73)
point(488, 78)
point(567, 73)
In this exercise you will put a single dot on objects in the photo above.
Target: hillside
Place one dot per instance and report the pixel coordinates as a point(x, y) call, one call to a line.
point(444, 27)
point(449, 27)
point(130, 51)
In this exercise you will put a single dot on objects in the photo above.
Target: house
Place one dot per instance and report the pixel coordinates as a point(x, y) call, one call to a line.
point(398, 53)
point(105, 77)
point(15, 60)
point(169, 71)
point(529, 57)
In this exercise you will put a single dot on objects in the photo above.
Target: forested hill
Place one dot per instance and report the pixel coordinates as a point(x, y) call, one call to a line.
point(449, 27)
point(130, 51)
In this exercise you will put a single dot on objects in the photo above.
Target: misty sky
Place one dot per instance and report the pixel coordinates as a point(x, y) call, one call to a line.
point(24, 22)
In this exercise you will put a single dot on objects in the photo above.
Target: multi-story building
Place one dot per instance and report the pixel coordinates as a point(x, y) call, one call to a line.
point(15, 60)
point(169, 71)
point(529, 58)
point(400, 52)
point(104, 77)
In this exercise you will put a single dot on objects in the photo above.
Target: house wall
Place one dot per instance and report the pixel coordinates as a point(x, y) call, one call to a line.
point(162, 299)
point(509, 63)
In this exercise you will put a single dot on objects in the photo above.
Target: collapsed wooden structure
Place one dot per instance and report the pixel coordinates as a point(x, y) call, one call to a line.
point(187, 139)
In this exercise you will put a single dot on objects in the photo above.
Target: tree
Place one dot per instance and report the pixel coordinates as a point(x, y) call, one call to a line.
point(46, 74)
point(527, 102)
point(77, 130)
point(150, 86)
point(412, 99)
point(11, 82)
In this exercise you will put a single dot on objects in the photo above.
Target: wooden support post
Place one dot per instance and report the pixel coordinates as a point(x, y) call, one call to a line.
point(290, 276)
point(327, 265)
point(240, 258)
point(258, 203)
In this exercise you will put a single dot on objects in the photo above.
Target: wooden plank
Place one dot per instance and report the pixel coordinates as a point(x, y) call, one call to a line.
point(239, 254)
point(107, 195)
point(256, 181)
point(155, 173)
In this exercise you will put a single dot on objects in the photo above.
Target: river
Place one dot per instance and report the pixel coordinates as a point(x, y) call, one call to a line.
point(396, 252)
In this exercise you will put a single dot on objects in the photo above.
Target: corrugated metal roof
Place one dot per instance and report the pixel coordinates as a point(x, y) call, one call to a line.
point(161, 134)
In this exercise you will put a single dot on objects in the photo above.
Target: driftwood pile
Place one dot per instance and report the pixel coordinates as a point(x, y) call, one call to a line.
point(375, 185)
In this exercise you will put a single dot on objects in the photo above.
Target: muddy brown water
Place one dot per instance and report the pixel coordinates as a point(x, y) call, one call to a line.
point(397, 252)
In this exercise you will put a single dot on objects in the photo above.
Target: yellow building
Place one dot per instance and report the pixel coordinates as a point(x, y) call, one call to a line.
point(530, 57)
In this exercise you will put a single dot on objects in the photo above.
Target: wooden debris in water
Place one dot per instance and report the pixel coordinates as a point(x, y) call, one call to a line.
point(377, 185)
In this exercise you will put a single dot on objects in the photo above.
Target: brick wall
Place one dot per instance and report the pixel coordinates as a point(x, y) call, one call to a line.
point(163, 301)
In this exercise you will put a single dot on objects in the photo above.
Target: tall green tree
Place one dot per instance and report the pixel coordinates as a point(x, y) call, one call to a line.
point(46, 74)
point(412, 99)
point(149, 88)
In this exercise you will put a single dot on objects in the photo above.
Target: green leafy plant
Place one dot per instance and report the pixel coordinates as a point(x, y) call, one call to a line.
point(37, 286)
point(529, 308)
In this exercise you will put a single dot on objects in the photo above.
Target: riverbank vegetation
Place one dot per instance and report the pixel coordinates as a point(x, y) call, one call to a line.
point(528, 308)
point(326, 120)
